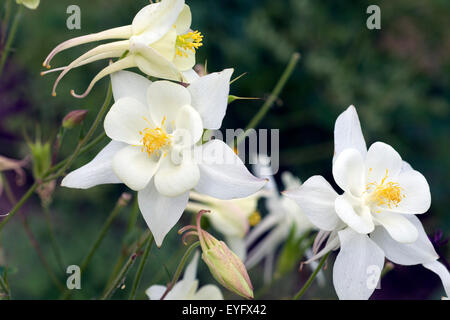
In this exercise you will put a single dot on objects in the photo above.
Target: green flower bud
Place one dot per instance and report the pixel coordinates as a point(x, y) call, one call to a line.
point(74, 118)
point(30, 4)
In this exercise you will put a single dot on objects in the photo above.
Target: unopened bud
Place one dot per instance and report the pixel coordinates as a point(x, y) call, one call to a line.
point(74, 118)
point(124, 199)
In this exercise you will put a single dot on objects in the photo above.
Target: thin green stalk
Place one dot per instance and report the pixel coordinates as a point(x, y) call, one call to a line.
point(83, 141)
point(123, 272)
point(311, 278)
point(180, 268)
point(53, 240)
point(273, 96)
point(5, 21)
point(5, 288)
point(9, 41)
point(87, 259)
point(138, 276)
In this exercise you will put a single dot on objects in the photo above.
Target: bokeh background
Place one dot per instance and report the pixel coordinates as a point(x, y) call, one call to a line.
point(397, 77)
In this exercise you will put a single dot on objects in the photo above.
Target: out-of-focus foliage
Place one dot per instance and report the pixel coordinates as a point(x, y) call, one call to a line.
point(397, 77)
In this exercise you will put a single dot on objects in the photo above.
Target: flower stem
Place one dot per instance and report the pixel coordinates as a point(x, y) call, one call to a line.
point(180, 268)
point(311, 278)
point(273, 96)
point(128, 264)
point(97, 242)
point(138, 276)
point(53, 240)
point(9, 41)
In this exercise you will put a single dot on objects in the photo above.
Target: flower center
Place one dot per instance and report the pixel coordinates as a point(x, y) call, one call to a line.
point(254, 218)
point(189, 41)
point(154, 139)
point(387, 194)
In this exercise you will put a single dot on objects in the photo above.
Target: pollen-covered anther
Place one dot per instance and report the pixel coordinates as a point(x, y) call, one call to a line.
point(388, 194)
point(189, 41)
point(155, 139)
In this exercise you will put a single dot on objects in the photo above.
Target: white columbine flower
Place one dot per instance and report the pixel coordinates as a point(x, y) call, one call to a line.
point(232, 218)
point(186, 289)
point(159, 42)
point(375, 216)
point(156, 130)
point(283, 215)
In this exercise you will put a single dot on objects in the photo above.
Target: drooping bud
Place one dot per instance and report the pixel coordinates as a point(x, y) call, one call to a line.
point(226, 267)
point(74, 118)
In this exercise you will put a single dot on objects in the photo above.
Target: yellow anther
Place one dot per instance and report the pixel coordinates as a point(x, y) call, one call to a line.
point(154, 139)
point(254, 218)
point(189, 41)
point(387, 194)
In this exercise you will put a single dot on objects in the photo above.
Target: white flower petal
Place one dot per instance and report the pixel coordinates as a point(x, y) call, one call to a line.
point(382, 159)
point(357, 217)
point(130, 84)
point(237, 245)
point(357, 267)
point(155, 292)
point(189, 127)
point(134, 167)
point(223, 175)
point(156, 19)
point(268, 222)
point(126, 118)
point(190, 75)
point(416, 192)
point(165, 100)
point(160, 213)
point(400, 228)
point(208, 292)
point(183, 23)
point(421, 251)
point(166, 45)
point(267, 246)
point(210, 97)
point(98, 171)
point(172, 180)
point(442, 272)
point(349, 172)
point(348, 134)
point(185, 61)
point(316, 198)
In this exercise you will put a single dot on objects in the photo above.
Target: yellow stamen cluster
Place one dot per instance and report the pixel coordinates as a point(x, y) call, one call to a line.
point(254, 218)
point(154, 139)
point(189, 41)
point(387, 194)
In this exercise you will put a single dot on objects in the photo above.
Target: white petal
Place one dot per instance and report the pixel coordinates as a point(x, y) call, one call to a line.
point(188, 126)
point(382, 159)
point(348, 134)
point(165, 100)
point(185, 61)
point(155, 292)
point(166, 45)
point(267, 246)
point(130, 84)
point(416, 192)
point(208, 292)
point(210, 97)
point(134, 167)
point(237, 245)
point(126, 118)
point(156, 19)
point(357, 217)
point(190, 75)
point(268, 222)
point(190, 273)
point(223, 175)
point(358, 266)
point(442, 272)
point(184, 20)
point(349, 172)
point(400, 228)
point(421, 251)
point(173, 180)
point(160, 213)
point(98, 171)
point(316, 199)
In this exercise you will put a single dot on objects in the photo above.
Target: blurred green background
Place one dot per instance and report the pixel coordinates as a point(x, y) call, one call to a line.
point(397, 77)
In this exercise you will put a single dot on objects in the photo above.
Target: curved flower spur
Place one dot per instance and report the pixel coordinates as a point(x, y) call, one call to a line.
point(159, 42)
point(156, 129)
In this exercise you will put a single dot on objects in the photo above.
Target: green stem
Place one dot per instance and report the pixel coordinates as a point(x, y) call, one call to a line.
point(5, 288)
point(87, 259)
point(311, 278)
point(53, 240)
point(5, 21)
point(19, 204)
point(9, 41)
point(123, 272)
point(272, 98)
point(138, 276)
point(180, 268)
